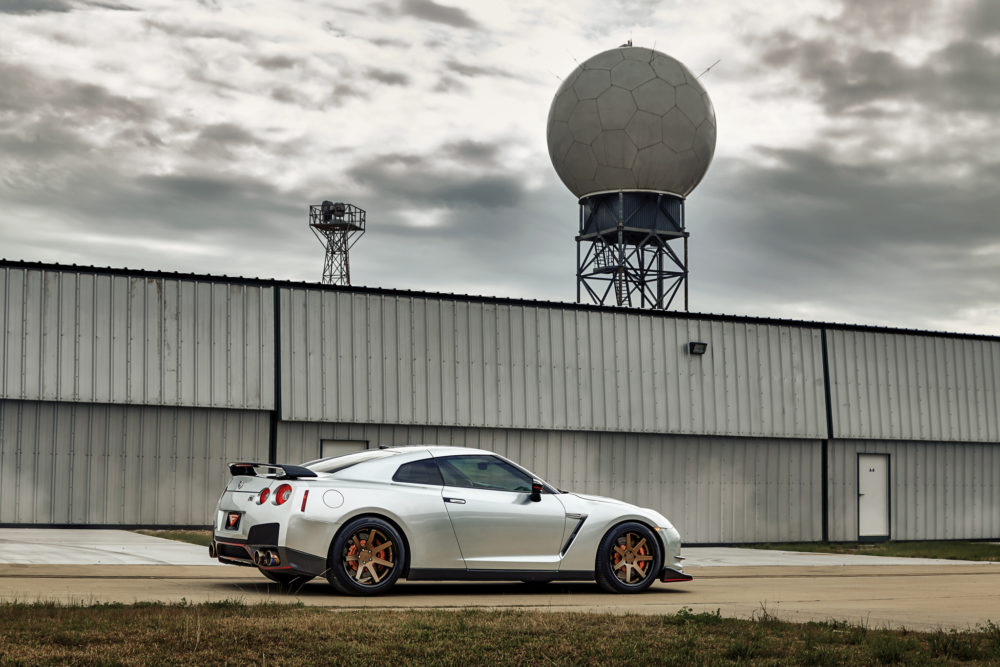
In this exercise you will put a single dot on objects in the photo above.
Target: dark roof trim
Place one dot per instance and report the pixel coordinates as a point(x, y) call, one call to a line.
point(561, 305)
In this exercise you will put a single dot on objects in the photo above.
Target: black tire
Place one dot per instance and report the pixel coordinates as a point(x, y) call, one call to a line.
point(366, 557)
point(285, 579)
point(629, 559)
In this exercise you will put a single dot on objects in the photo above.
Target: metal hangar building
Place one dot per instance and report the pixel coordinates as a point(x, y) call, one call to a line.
point(123, 394)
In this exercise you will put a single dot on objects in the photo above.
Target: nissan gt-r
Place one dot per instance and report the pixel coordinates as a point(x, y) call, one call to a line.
point(365, 520)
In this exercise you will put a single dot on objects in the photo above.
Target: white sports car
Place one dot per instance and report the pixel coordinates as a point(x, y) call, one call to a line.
point(365, 520)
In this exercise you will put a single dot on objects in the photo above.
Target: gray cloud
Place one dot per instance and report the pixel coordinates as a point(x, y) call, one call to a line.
point(34, 6)
point(432, 11)
point(199, 31)
point(420, 180)
point(465, 69)
point(449, 84)
point(428, 10)
point(221, 141)
point(43, 139)
point(227, 133)
point(23, 91)
point(113, 6)
point(888, 214)
point(288, 95)
point(342, 92)
point(881, 18)
point(855, 238)
point(982, 19)
point(473, 152)
point(278, 62)
point(388, 77)
point(962, 76)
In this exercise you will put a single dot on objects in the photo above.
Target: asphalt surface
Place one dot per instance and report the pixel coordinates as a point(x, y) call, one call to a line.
point(88, 566)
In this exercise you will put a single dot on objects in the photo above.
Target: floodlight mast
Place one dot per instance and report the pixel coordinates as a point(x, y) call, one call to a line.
point(338, 226)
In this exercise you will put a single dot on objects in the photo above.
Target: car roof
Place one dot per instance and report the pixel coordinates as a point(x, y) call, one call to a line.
point(439, 450)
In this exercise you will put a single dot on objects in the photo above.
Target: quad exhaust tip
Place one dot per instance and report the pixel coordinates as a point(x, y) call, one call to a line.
point(266, 558)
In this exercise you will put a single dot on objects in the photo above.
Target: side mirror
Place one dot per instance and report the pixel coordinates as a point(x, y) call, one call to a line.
point(536, 490)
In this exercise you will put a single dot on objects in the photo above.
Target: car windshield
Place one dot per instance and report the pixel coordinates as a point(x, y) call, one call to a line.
point(337, 463)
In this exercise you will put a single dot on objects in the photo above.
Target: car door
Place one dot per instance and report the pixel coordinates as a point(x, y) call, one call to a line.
point(497, 524)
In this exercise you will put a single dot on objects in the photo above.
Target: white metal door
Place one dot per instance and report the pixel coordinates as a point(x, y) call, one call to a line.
point(873, 496)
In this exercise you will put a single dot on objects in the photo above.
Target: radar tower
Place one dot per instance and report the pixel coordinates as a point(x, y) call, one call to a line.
point(631, 132)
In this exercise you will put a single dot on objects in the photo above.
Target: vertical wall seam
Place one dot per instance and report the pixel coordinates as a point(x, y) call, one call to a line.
point(272, 438)
point(825, 461)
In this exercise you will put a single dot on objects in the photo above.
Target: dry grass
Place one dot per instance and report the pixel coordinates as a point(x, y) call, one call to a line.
point(279, 634)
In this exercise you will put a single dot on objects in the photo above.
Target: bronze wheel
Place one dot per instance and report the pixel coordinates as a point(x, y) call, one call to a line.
point(366, 558)
point(628, 559)
point(631, 560)
point(369, 556)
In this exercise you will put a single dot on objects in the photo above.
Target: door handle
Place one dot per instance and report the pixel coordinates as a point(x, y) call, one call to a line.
point(457, 501)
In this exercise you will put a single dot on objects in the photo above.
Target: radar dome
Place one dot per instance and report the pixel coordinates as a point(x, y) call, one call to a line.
point(631, 119)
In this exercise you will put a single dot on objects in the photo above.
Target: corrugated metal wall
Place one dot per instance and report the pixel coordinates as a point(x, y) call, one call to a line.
point(372, 358)
point(713, 489)
point(94, 367)
point(909, 387)
point(937, 491)
point(72, 463)
point(85, 337)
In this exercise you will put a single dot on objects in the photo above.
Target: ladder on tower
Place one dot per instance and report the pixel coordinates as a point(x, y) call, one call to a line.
point(606, 260)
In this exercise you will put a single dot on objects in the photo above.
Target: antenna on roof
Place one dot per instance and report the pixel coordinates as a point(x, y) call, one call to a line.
point(709, 67)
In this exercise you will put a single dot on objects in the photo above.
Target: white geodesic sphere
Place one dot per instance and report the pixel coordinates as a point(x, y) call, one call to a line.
point(631, 119)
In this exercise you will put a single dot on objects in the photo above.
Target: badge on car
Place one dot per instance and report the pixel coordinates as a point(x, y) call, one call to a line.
point(233, 520)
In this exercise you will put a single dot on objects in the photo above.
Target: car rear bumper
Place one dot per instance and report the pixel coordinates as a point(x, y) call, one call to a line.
point(235, 551)
point(671, 575)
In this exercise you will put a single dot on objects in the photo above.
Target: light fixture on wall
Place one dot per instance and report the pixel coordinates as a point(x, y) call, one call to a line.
point(697, 348)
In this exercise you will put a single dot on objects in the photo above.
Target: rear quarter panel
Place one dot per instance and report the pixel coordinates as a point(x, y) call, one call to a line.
point(417, 510)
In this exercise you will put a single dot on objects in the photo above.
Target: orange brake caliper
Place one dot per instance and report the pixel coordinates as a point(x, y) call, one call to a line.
point(353, 551)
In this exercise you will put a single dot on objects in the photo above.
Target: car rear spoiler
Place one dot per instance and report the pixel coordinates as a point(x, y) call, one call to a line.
point(287, 471)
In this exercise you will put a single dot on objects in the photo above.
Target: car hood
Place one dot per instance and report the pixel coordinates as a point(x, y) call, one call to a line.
point(602, 499)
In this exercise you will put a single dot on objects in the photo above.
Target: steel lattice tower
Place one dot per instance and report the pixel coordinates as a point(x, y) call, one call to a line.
point(338, 226)
point(624, 251)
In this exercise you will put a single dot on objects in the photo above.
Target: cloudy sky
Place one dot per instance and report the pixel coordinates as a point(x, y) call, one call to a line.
point(855, 177)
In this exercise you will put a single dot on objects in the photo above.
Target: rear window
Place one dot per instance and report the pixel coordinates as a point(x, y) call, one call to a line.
point(419, 472)
point(338, 463)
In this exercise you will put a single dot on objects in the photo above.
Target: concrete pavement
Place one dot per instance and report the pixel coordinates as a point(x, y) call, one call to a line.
point(95, 547)
point(89, 566)
point(104, 547)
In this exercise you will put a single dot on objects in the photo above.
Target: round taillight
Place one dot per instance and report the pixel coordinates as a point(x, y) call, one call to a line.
point(283, 494)
point(263, 496)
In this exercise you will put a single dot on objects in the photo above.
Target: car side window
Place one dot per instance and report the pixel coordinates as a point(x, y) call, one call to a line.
point(483, 472)
point(419, 472)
